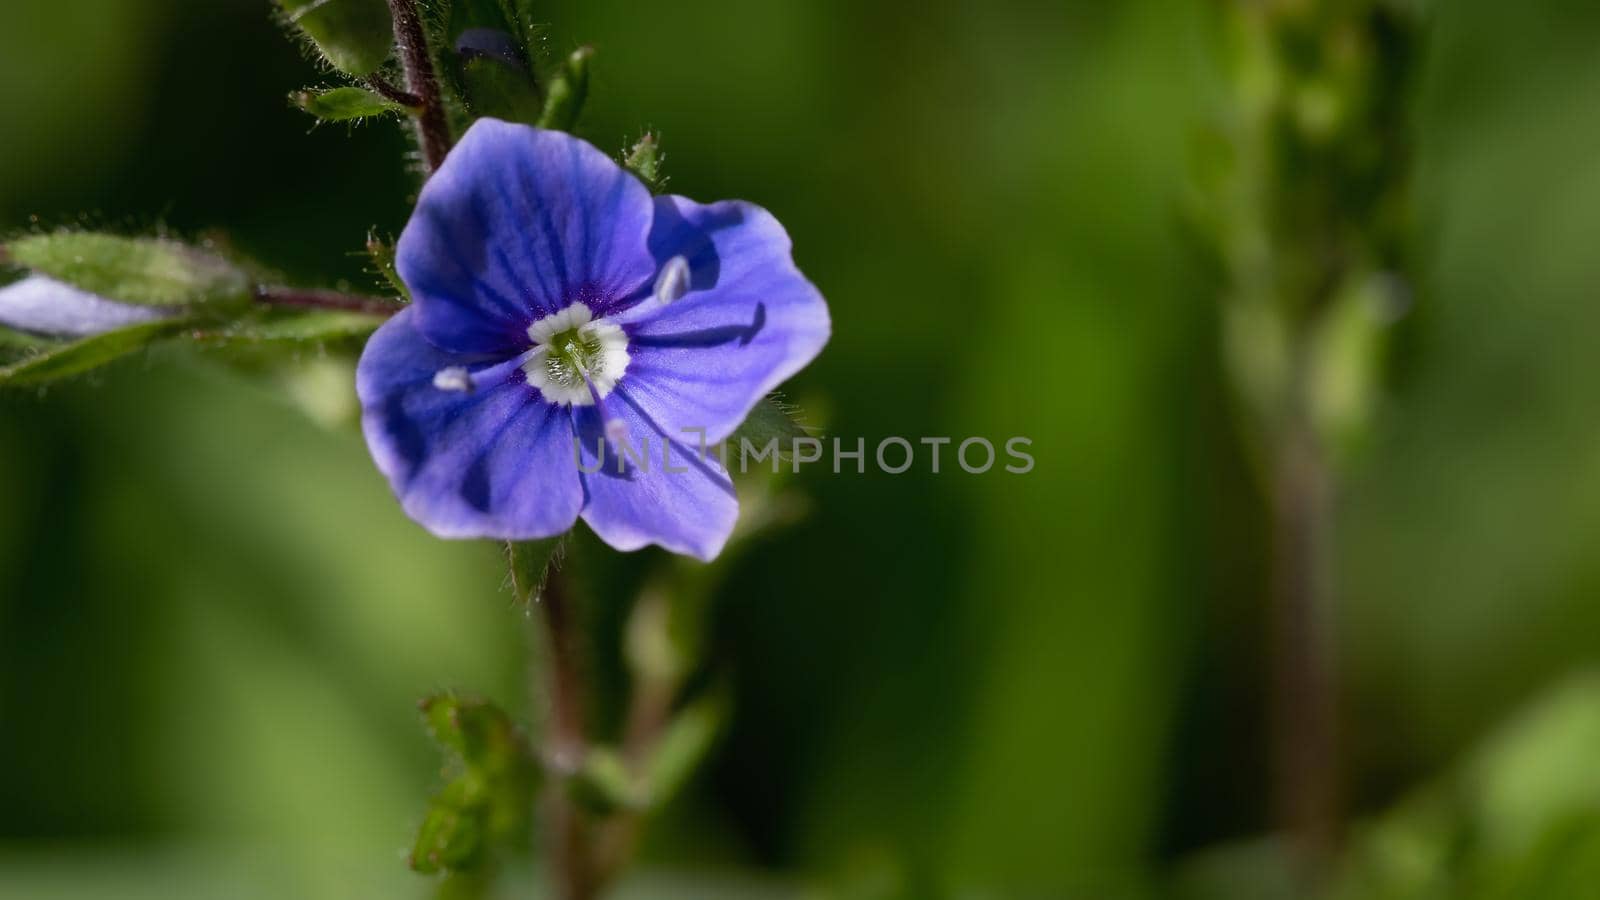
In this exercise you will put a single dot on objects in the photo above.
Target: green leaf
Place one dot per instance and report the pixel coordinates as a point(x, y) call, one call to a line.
point(603, 784)
point(684, 745)
point(319, 326)
point(11, 339)
point(75, 358)
point(354, 36)
point(19, 345)
point(606, 783)
point(345, 104)
point(477, 730)
point(452, 831)
point(486, 804)
point(772, 419)
point(529, 561)
point(644, 160)
point(568, 89)
point(147, 271)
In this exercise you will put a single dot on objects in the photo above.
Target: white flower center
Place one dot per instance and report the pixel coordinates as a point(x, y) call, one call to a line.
point(573, 351)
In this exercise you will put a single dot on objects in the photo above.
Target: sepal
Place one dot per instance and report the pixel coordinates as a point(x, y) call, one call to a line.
point(354, 36)
point(644, 159)
point(568, 89)
point(529, 563)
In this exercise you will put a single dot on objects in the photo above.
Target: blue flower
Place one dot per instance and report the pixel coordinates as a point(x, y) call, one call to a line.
point(45, 306)
point(564, 317)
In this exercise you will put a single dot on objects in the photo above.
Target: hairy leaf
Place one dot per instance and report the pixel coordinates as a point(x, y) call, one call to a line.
point(485, 806)
point(381, 252)
point(452, 831)
point(148, 271)
point(314, 327)
point(345, 104)
point(568, 89)
point(354, 36)
point(529, 561)
point(77, 357)
point(770, 420)
point(644, 160)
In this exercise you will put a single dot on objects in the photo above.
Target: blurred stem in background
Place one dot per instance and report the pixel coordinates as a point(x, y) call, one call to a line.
point(1302, 198)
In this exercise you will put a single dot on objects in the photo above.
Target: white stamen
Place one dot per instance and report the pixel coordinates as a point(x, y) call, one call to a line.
point(594, 352)
point(673, 282)
point(453, 378)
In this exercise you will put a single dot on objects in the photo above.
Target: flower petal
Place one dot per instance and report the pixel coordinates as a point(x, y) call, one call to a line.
point(518, 223)
point(46, 306)
point(494, 461)
point(691, 511)
point(749, 321)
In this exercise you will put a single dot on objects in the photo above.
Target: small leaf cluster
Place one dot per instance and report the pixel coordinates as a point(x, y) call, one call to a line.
point(484, 804)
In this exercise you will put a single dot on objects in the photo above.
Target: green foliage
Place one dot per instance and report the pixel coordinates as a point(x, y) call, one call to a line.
point(493, 87)
point(354, 36)
point(608, 782)
point(605, 784)
point(251, 339)
point(492, 66)
point(147, 271)
point(485, 803)
point(525, 16)
point(381, 253)
point(770, 420)
point(569, 87)
point(529, 563)
point(1518, 817)
point(61, 361)
point(1313, 154)
point(644, 159)
point(19, 343)
point(316, 326)
point(345, 104)
point(452, 831)
point(684, 745)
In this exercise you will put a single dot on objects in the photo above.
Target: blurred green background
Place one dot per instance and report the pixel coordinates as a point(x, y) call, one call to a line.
point(214, 620)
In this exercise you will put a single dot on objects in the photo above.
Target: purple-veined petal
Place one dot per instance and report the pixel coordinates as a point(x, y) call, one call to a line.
point(494, 461)
point(691, 511)
point(46, 306)
point(749, 321)
point(518, 223)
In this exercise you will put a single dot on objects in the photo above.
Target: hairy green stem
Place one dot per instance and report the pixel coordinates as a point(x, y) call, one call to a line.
point(433, 132)
point(389, 91)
